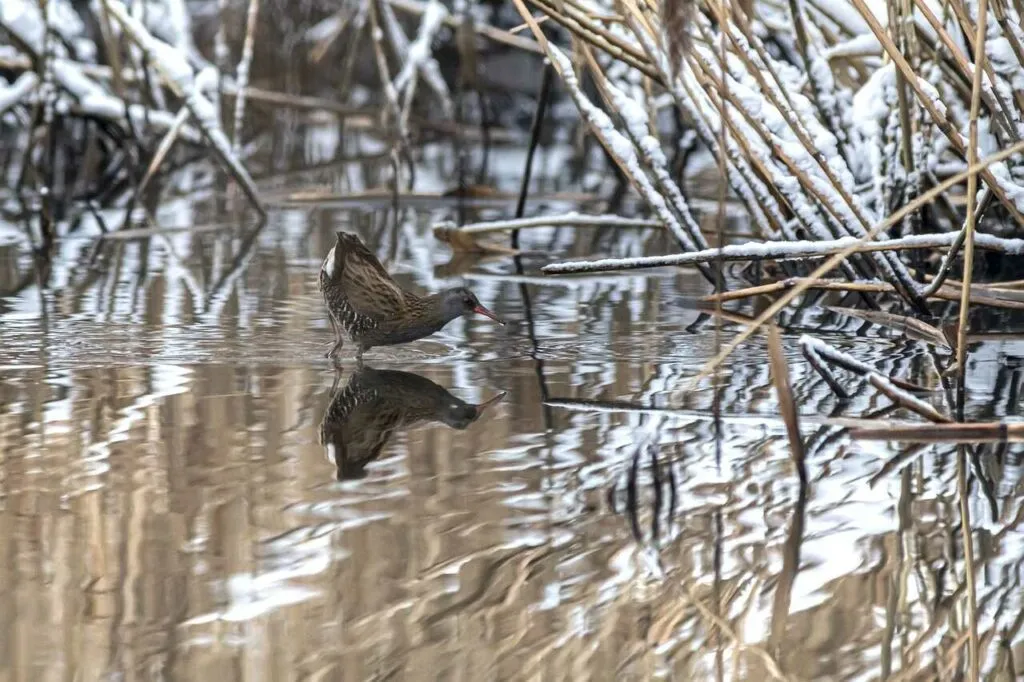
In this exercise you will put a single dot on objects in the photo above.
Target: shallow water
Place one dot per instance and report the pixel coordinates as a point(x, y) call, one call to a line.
point(169, 508)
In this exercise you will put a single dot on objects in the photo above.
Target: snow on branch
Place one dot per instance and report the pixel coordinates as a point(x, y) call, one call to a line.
point(178, 73)
point(782, 251)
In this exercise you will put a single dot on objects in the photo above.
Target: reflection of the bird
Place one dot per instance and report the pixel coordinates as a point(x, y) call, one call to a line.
point(362, 416)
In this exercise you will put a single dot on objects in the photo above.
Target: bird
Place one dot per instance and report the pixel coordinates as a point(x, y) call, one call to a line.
point(368, 305)
point(362, 416)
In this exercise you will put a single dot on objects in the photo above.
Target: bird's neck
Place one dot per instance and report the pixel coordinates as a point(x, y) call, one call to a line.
point(431, 308)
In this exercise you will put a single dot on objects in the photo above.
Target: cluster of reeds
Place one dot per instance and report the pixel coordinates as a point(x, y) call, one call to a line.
point(100, 95)
point(831, 122)
point(97, 100)
point(871, 144)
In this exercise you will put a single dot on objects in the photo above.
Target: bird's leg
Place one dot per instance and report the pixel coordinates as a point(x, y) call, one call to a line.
point(359, 357)
point(337, 380)
point(334, 330)
point(333, 352)
point(339, 339)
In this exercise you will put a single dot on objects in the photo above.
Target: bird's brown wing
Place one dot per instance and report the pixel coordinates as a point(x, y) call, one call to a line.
point(369, 288)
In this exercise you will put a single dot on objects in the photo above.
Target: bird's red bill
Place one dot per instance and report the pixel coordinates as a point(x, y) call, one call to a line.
point(482, 407)
point(480, 310)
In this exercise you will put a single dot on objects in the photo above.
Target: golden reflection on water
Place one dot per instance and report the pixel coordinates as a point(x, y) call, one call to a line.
point(170, 509)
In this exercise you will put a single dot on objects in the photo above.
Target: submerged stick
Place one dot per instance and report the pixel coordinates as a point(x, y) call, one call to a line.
point(819, 366)
point(904, 399)
point(895, 389)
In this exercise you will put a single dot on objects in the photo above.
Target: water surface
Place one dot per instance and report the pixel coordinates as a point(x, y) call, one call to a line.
point(169, 508)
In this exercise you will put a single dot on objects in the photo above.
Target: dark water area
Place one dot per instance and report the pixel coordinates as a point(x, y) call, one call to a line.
point(179, 500)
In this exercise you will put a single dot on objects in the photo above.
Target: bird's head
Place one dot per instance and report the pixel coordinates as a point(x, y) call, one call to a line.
point(462, 301)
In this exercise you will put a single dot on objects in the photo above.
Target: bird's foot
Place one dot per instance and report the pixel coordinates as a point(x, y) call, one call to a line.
point(332, 354)
point(337, 380)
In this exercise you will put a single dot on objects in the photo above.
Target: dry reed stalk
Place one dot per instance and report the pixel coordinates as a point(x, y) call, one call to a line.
point(623, 149)
point(839, 211)
point(765, 202)
point(812, 218)
point(956, 432)
point(572, 17)
point(131, 77)
point(292, 101)
point(107, 34)
point(912, 327)
point(486, 30)
point(797, 124)
point(961, 345)
point(969, 225)
point(595, 35)
point(789, 283)
point(677, 16)
point(162, 150)
point(718, 93)
point(787, 402)
point(393, 110)
point(987, 296)
point(953, 50)
point(939, 118)
point(242, 73)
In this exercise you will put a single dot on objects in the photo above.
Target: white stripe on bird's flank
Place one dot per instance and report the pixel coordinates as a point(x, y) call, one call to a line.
point(328, 266)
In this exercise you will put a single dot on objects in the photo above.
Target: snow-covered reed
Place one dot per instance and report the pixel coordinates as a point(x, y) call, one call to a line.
point(142, 76)
point(826, 118)
point(133, 66)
